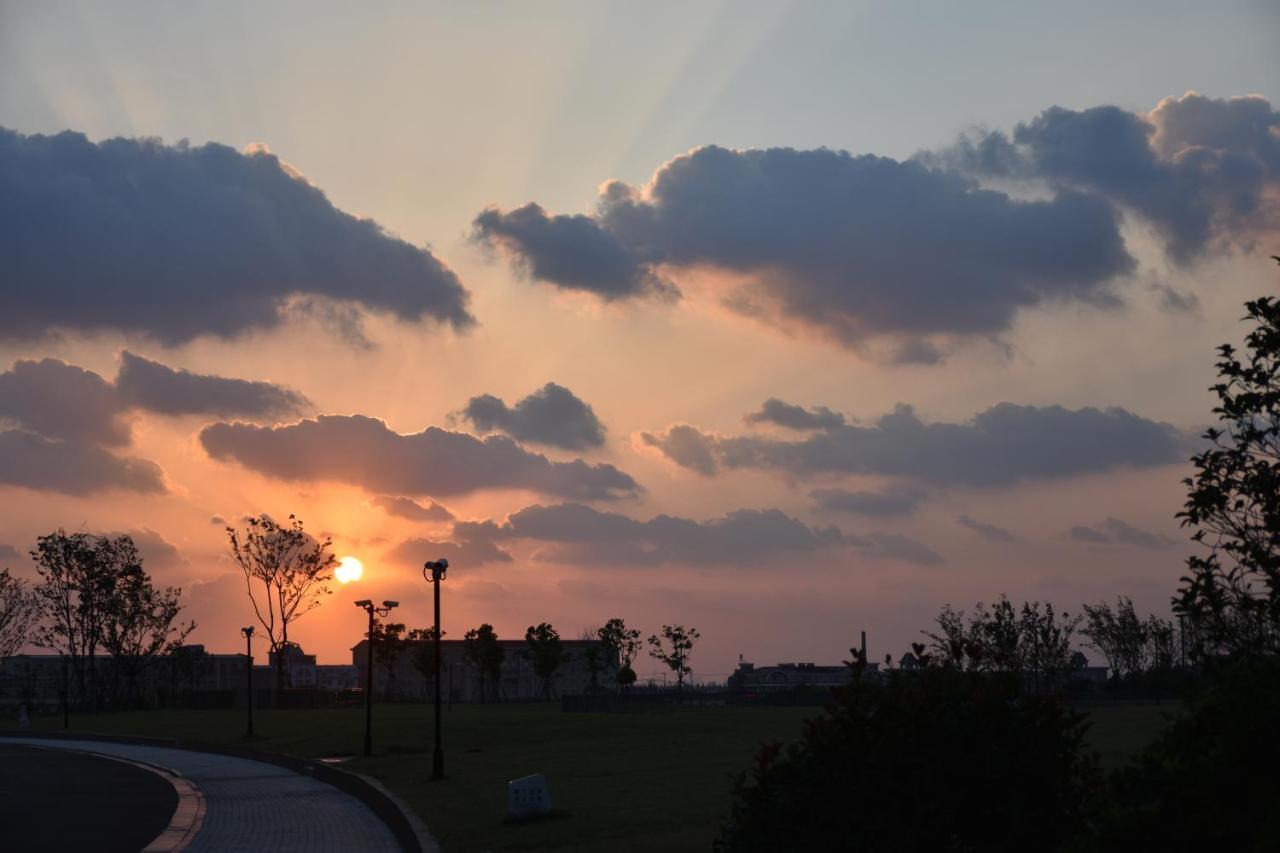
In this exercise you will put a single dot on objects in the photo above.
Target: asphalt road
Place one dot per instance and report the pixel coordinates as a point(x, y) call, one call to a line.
point(58, 801)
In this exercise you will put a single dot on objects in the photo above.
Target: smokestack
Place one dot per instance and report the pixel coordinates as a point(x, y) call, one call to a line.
point(864, 645)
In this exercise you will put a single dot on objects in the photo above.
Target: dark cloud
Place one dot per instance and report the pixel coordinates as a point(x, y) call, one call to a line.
point(8, 552)
point(896, 502)
point(987, 531)
point(1175, 301)
point(551, 415)
point(571, 252)
point(791, 416)
point(583, 535)
point(62, 401)
point(158, 388)
point(364, 451)
point(1004, 444)
point(156, 551)
point(1113, 531)
point(856, 247)
point(415, 552)
point(73, 468)
point(1204, 171)
point(218, 521)
point(179, 241)
point(411, 509)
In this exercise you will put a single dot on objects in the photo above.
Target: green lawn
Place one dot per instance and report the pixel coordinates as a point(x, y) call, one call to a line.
point(640, 781)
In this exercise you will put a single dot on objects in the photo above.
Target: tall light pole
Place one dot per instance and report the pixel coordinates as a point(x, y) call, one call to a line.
point(434, 573)
point(248, 676)
point(368, 606)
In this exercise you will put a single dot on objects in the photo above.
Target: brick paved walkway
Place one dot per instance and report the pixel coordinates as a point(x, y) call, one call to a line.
point(257, 808)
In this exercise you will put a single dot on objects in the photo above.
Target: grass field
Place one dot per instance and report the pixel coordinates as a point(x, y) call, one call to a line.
point(641, 781)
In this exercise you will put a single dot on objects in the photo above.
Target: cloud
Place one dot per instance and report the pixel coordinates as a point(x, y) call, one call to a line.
point(551, 415)
point(1004, 444)
point(363, 451)
point(175, 242)
point(158, 388)
point(156, 551)
point(989, 532)
point(571, 252)
point(854, 247)
point(411, 509)
point(1204, 171)
point(583, 535)
point(1113, 531)
point(8, 552)
point(415, 552)
point(791, 416)
point(61, 401)
point(896, 502)
point(35, 462)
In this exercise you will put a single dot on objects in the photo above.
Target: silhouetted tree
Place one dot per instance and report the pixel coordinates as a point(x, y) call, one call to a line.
point(1232, 593)
point(1033, 639)
point(481, 649)
point(389, 643)
point(19, 613)
point(673, 647)
point(593, 655)
point(937, 759)
point(140, 618)
point(1045, 640)
point(545, 652)
point(286, 572)
point(1119, 634)
point(422, 656)
point(622, 644)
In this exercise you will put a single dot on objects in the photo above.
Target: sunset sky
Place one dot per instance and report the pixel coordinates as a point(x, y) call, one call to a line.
point(784, 321)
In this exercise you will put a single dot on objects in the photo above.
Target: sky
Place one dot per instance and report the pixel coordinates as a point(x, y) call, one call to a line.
point(784, 321)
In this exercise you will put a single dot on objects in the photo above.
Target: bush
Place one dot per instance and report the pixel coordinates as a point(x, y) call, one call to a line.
point(1210, 781)
point(935, 759)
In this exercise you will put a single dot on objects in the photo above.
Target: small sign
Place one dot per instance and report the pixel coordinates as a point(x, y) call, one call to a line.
point(528, 796)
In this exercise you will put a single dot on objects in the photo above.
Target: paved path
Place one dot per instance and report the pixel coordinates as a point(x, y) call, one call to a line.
point(253, 807)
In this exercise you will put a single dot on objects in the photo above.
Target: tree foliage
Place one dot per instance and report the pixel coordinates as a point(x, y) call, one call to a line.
point(1232, 592)
point(1033, 639)
point(621, 644)
point(286, 574)
point(389, 643)
point(937, 759)
point(422, 655)
point(545, 652)
point(481, 649)
point(1129, 644)
point(19, 613)
point(674, 647)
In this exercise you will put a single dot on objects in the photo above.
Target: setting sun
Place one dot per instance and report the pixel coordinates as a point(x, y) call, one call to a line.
point(349, 569)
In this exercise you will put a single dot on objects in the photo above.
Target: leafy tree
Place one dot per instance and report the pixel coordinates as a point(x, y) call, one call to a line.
point(1120, 635)
point(19, 613)
point(545, 652)
point(481, 649)
point(622, 644)
point(1045, 640)
point(389, 643)
point(422, 655)
point(286, 574)
point(75, 590)
point(1003, 638)
point(673, 647)
point(140, 618)
point(1232, 593)
point(593, 655)
point(937, 759)
point(185, 667)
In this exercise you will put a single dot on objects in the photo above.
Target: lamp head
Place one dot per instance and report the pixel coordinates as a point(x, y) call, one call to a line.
point(390, 604)
point(436, 568)
point(248, 632)
point(364, 602)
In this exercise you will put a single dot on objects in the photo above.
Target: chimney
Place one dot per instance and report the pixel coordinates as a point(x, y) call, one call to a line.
point(864, 645)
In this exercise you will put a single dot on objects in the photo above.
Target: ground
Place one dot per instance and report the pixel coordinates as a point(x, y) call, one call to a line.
point(642, 781)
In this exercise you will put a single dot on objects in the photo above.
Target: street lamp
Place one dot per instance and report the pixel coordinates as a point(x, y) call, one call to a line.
point(368, 607)
point(434, 573)
point(248, 675)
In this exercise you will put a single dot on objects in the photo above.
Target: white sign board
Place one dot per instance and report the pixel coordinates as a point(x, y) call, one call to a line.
point(528, 796)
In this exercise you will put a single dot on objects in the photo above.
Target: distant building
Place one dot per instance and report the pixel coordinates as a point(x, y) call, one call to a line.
point(460, 681)
point(749, 678)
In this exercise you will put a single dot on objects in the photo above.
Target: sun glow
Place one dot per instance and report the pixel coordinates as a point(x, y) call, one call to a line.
point(349, 569)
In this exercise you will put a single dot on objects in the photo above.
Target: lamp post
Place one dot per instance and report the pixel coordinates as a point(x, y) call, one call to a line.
point(248, 676)
point(434, 573)
point(368, 607)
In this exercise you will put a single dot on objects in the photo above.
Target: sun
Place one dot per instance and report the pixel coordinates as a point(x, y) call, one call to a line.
point(349, 569)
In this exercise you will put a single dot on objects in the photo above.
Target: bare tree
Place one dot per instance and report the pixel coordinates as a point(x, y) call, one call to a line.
point(19, 613)
point(286, 573)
